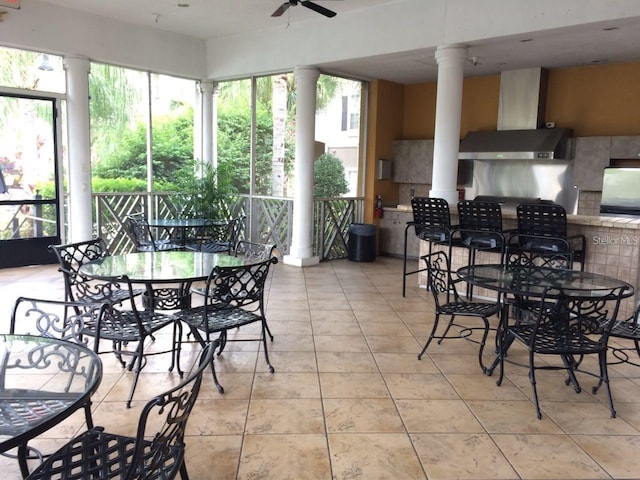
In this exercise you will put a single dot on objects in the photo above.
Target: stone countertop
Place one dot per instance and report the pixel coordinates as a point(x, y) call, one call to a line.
point(594, 221)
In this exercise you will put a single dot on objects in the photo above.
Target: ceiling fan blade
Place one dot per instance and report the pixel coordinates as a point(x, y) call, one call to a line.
point(281, 9)
point(317, 8)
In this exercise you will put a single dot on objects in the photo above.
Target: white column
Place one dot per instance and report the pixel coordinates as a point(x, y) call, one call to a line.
point(79, 149)
point(208, 89)
point(301, 251)
point(447, 132)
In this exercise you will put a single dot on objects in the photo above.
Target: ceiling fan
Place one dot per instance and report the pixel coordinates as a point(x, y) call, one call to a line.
point(305, 3)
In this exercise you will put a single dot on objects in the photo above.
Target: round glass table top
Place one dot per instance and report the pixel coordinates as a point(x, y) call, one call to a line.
point(183, 222)
point(158, 267)
point(533, 281)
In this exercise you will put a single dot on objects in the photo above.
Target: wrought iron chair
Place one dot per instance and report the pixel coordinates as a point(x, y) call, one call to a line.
point(479, 229)
point(545, 227)
point(219, 237)
point(51, 318)
point(627, 329)
point(157, 452)
point(449, 302)
point(431, 223)
point(569, 326)
point(233, 297)
point(138, 229)
point(125, 325)
point(78, 288)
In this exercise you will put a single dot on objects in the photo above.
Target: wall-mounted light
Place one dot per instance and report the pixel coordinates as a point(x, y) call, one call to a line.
point(44, 63)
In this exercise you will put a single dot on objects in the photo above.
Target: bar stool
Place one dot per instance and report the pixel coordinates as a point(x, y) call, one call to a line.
point(546, 226)
point(431, 223)
point(480, 228)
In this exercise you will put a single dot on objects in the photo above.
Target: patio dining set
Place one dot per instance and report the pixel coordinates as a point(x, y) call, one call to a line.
point(118, 304)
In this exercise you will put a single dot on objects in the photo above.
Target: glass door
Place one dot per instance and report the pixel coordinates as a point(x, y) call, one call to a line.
point(29, 216)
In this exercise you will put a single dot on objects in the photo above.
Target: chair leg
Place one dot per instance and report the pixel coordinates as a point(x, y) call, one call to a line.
point(264, 344)
point(532, 379)
point(446, 330)
point(138, 361)
point(184, 475)
point(604, 378)
point(482, 343)
point(431, 336)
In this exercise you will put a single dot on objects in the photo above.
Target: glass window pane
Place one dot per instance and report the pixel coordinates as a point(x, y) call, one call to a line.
point(31, 70)
point(234, 133)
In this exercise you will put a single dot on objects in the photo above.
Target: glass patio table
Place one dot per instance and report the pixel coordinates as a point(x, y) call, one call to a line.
point(152, 268)
point(181, 225)
point(527, 282)
point(43, 381)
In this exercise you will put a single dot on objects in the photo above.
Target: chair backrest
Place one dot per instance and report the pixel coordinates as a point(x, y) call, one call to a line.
point(439, 278)
point(159, 447)
point(431, 218)
point(544, 220)
point(254, 252)
point(585, 314)
point(480, 215)
point(54, 318)
point(137, 228)
point(537, 251)
point(71, 257)
point(240, 286)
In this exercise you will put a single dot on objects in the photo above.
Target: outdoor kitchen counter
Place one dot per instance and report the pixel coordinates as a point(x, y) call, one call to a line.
point(613, 246)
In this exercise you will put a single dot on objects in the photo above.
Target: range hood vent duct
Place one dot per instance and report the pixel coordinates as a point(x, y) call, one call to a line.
point(520, 116)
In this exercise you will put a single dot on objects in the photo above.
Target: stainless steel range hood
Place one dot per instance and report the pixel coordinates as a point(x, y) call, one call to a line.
point(520, 116)
point(540, 144)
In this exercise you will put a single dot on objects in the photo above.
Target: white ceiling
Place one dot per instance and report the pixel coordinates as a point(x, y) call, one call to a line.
point(594, 43)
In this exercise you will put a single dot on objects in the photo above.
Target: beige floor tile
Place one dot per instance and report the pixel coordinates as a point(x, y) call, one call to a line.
point(386, 344)
point(511, 416)
point(291, 343)
point(476, 457)
point(404, 363)
point(376, 315)
point(215, 457)
point(616, 454)
point(285, 416)
point(587, 418)
point(362, 415)
point(482, 387)
point(340, 343)
point(286, 385)
point(438, 416)
point(289, 362)
point(374, 457)
point(353, 385)
point(345, 362)
point(548, 457)
point(285, 457)
point(425, 386)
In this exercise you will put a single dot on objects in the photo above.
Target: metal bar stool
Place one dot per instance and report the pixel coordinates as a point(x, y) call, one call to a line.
point(549, 223)
point(431, 223)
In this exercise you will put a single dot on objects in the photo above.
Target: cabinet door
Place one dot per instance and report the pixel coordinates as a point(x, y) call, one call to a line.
point(625, 147)
point(391, 236)
point(592, 155)
point(412, 161)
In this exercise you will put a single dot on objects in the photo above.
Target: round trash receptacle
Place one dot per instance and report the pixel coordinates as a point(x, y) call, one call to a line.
point(361, 245)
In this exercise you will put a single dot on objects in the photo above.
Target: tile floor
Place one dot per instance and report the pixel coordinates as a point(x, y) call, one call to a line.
point(350, 400)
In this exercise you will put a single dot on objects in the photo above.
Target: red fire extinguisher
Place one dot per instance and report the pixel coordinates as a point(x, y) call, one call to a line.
point(378, 211)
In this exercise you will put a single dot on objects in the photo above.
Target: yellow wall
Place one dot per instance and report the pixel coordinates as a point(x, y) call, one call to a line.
point(592, 100)
point(384, 126)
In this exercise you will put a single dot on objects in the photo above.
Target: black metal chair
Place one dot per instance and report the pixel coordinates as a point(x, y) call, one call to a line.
point(479, 229)
point(431, 223)
point(629, 330)
point(545, 226)
point(124, 324)
point(216, 237)
point(138, 229)
point(233, 297)
point(570, 327)
point(449, 302)
point(157, 452)
point(51, 318)
point(78, 288)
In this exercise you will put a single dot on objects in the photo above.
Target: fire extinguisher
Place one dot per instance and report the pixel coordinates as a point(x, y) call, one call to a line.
point(378, 211)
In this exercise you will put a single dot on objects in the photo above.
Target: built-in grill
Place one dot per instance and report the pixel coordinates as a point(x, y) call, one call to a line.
point(510, 203)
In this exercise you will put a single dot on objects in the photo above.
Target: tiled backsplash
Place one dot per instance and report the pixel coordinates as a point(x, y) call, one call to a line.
point(409, 190)
point(589, 203)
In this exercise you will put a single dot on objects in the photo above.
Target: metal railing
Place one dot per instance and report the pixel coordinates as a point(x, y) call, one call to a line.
point(267, 219)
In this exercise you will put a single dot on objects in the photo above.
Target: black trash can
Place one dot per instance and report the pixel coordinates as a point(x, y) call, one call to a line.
point(361, 245)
